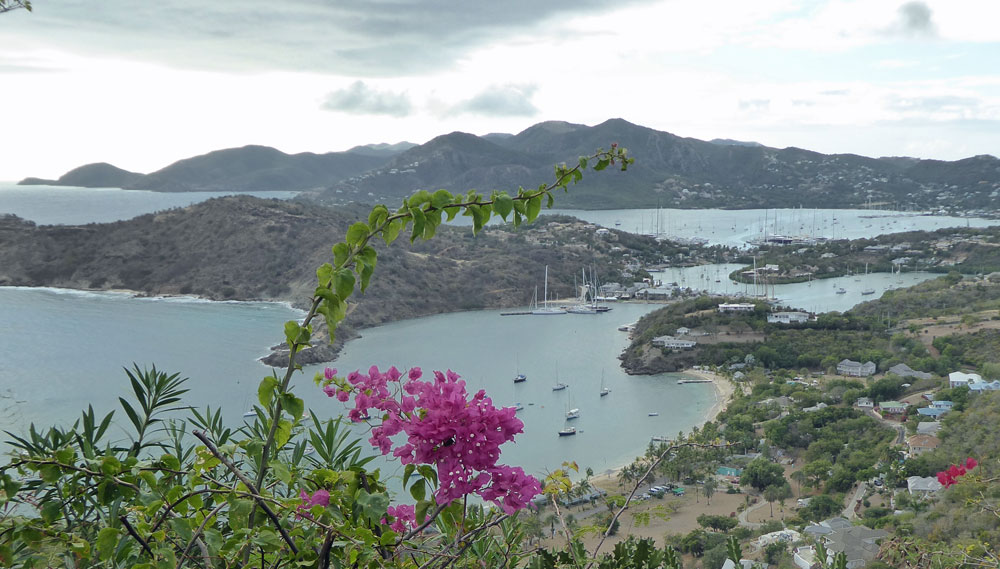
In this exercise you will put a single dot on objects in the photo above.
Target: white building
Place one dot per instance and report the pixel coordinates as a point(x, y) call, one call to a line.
point(958, 378)
point(736, 307)
point(673, 343)
point(788, 317)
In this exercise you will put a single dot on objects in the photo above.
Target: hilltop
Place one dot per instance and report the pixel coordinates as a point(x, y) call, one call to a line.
point(669, 170)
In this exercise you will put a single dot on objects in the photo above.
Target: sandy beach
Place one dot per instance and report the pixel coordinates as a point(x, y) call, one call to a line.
point(671, 514)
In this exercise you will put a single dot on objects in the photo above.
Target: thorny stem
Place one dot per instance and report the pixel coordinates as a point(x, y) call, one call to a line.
point(250, 487)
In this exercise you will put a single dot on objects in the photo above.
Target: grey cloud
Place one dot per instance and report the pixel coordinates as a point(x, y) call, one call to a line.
point(915, 19)
point(500, 101)
point(364, 38)
point(359, 98)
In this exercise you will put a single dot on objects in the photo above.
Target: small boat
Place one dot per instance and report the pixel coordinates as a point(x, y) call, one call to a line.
point(309, 450)
point(604, 389)
point(559, 386)
point(568, 431)
point(868, 291)
point(573, 413)
point(660, 439)
point(654, 414)
point(250, 413)
point(518, 407)
point(841, 290)
point(520, 378)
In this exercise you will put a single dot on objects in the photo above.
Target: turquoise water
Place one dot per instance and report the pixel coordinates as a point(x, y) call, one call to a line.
point(65, 349)
point(60, 205)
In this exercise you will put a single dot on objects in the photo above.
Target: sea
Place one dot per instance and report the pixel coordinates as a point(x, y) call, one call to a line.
point(64, 350)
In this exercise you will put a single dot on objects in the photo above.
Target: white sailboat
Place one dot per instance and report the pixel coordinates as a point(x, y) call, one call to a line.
point(604, 390)
point(571, 413)
point(545, 310)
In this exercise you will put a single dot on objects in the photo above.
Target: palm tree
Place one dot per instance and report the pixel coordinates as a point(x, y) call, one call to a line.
point(799, 477)
point(709, 488)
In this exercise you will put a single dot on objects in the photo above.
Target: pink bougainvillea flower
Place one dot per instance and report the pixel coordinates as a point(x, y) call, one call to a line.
point(971, 463)
point(329, 373)
point(460, 435)
point(944, 479)
point(319, 498)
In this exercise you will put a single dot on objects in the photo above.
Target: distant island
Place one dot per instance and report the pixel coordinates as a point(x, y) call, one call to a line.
point(670, 171)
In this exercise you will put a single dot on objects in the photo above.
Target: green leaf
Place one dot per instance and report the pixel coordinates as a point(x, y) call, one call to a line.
point(551, 201)
point(267, 539)
point(357, 232)
point(407, 472)
point(341, 251)
point(418, 223)
point(534, 207)
point(265, 391)
point(292, 330)
point(419, 490)
point(583, 162)
point(378, 214)
point(391, 232)
point(441, 198)
point(107, 540)
point(51, 510)
point(420, 511)
point(293, 405)
point(343, 282)
point(451, 212)
point(601, 164)
point(239, 512)
point(213, 539)
point(373, 506)
point(65, 455)
point(503, 204)
point(170, 462)
point(281, 471)
point(324, 273)
point(282, 433)
point(182, 526)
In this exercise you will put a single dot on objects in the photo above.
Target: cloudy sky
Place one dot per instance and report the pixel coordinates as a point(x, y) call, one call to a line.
point(142, 84)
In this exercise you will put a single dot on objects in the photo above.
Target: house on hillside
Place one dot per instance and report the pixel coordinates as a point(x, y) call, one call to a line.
point(737, 307)
point(864, 403)
point(922, 486)
point(981, 386)
point(904, 371)
point(788, 317)
point(744, 564)
point(855, 369)
point(673, 343)
point(959, 379)
point(919, 444)
point(892, 407)
point(858, 543)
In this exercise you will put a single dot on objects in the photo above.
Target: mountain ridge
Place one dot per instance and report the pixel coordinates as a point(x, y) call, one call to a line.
point(669, 169)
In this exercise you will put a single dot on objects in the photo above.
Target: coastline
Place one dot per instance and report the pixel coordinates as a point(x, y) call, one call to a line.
point(724, 390)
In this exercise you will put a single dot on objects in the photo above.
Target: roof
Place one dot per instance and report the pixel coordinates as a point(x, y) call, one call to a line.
point(923, 484)
point(891, 404)
point(903, 370)
point(923, 441)
point(928, 427)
